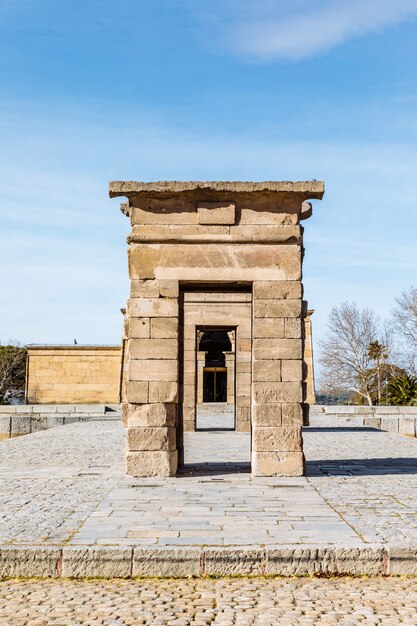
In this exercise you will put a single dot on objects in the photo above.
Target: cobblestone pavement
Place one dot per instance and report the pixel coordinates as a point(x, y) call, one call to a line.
point(67, 484)
point(223, 602)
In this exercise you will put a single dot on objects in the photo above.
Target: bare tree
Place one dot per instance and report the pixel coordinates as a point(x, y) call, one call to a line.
point(12, 369)
point(345, 355)
point(405, 323)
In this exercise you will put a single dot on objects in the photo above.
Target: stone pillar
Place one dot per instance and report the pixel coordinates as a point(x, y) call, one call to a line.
point(308, 359)
point(277, 379)
point(152, 393)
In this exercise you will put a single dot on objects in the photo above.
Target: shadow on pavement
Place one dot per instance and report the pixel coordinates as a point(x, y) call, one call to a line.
point(213, 469)
point(362, 467)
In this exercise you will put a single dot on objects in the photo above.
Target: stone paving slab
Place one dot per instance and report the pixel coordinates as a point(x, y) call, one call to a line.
point(223, 602)
point(66, 488)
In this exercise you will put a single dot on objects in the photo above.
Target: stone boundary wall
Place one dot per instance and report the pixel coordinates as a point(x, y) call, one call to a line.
point(198, 561)
point(24, 419)
point(401, 420)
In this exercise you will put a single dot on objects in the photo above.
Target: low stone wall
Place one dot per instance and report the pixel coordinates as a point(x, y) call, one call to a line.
point(23, 419)
point(394, 419)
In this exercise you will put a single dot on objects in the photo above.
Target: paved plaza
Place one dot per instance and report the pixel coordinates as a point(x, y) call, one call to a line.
point(224, 602)
point(67, 486)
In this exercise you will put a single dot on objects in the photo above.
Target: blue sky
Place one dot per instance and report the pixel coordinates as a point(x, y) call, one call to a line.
point(191, 89)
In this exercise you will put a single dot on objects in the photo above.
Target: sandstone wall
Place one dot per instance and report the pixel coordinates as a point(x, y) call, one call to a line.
point(73, 374)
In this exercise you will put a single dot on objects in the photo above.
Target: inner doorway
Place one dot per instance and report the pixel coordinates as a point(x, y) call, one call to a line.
point(215, 401)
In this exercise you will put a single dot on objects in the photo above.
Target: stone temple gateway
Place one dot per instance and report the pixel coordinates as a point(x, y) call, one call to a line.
point(215, 315)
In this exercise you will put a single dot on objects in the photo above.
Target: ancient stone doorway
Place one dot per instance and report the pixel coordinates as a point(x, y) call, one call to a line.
point(215, 368)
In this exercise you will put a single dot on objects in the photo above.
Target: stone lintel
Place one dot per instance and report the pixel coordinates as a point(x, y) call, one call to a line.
point(313, 189)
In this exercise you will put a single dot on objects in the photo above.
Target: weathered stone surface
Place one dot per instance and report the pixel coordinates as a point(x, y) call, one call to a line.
point(153, 349)
point(277, 348)
point(276, 290)
point(157, 369)
point(304, 189)
point(291, 370)
point(300, 560)
point(234, 561)
point(266, 414)
point(163, 392)
point(142, 415)
point(231, 263)
point(402, 560)
point(169, 288)
point(167, 562)
point(277, 463)
point(267, 371)
point(216, 213)
point(151, 438)
point(164, 327)
point(268, 327)
point(96, 561)
point(144, 288)
point(139, 327)
point(20, 425)
point(153, 307)
point(276, 439)
point(277, 392)
point(5, 424)
point(364, 560)
point(29, 561)
point(151, 463)
point(293, 328)
point(277, 308)
point(389, 423)
point(291, 414)
point(407, 426)
point(137, 391)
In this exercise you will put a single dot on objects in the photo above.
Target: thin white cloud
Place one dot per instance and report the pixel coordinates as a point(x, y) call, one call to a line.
point(301, 33)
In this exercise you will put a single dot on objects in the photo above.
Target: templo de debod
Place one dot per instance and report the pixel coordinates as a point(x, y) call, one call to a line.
point(216, 314)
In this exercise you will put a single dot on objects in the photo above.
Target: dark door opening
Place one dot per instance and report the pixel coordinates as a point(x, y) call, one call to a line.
point(215, 384)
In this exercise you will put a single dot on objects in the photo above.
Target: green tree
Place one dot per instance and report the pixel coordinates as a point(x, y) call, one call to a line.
point(402, 390)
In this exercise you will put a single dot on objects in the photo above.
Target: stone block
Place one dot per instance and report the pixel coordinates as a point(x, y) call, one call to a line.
point(373, 422)
point(164, 327)
point(137, 391)
point(402, 560)
point(39, 423)
point(169, 288)
point(144, 288)
point(265, 393)
point(234, 561)
point(277, 289)
point(216, 212)
point(266, 415)
point(153, 370)
point(293, 328)
point(145, 464)
point(227, 262)
point(276, 439)
point(29, 561)
point(291, 370)
point(268, 327)
point(357, 561)
point(407, 426)
point(389, 423)
point(5, 425)
point(96, 562)
point(144, 415)
point(264, 371)
point(277, 463)
point(52, 421)
point(175, 562)
point(20, 425)
point(151, 438)
point(139, 327)
point(276, 348)
point(153, 307)
point(153, 349)
point(277, 308)
point(292, 560)
point(163, 392)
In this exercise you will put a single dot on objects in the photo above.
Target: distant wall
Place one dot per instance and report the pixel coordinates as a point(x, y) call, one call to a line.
point(73, 374)
point(394, 419)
